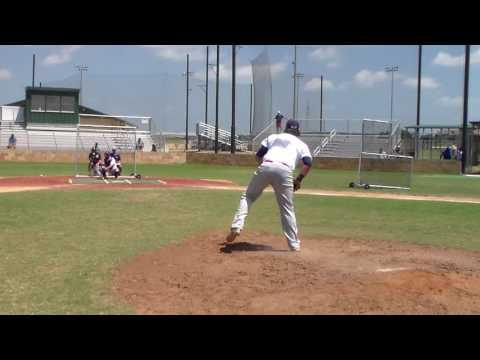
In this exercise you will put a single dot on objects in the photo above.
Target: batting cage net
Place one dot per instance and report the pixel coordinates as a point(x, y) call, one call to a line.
point(385, 171)
point(376, 136)
point(378, 165)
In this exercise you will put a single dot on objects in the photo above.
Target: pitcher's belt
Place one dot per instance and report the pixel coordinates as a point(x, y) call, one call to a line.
point(278, 162)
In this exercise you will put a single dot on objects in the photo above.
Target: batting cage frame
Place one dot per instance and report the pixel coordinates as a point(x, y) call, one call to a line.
point(382, 168)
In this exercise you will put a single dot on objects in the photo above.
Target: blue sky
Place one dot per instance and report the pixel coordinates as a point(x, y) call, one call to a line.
point(147, 80)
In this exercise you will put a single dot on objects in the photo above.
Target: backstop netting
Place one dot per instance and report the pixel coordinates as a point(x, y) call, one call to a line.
point(128, 135)
point(378, 165)
point(262, 93)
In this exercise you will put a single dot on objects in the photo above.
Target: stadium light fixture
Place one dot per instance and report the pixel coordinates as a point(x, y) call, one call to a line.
point(392, 69)
point(81, 68)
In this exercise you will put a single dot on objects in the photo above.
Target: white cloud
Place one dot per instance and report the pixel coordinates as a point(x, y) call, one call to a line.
point(367, 78)
point(324, 54)
point(278, 68)
point(178, 52)
point(315, 84)
point(5, 74)
point(328, 54)
point(445, 59)
point(62, 56)
point(448, 101)
point(243, 73)
point(427, 82)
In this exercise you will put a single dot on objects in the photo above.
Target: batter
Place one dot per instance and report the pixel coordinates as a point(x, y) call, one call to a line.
point(279, 155)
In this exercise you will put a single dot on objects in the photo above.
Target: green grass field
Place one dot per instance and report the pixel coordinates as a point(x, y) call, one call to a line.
point(60, 248)
point(422, 184)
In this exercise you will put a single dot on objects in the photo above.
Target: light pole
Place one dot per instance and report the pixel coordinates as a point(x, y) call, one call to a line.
point(33, 71)
point(294, 80)
point(81, 68)
point(232, 133)
point(419, 86)
point(465, 150)
point(391, 69)
point(321, 102)
point(217, 85)
point(206, 89)
point(297, 92)
point(187, 75)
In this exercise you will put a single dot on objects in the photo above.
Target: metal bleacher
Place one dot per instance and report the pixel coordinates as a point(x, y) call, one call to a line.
point(66, 139)
point(342, 146)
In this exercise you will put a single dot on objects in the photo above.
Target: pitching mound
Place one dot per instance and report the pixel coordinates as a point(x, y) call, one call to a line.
point(257, 275)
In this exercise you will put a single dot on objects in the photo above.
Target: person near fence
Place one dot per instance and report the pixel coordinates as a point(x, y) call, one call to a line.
point(454, 151)
point(278, 121)
point(459, 153)
point(110, 166)
point(140, 144)
point(94, 162)
point(12, 142)
point(118, 159)
point(446, 154)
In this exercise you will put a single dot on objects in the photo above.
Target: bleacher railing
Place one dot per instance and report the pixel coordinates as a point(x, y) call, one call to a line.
point(325, 142)
point(224, 137)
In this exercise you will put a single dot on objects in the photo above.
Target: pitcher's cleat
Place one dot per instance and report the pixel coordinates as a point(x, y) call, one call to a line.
point(232, 235)
point(293, 248)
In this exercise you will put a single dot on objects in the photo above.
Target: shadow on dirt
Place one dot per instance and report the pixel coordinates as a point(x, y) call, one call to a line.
point(245, 246)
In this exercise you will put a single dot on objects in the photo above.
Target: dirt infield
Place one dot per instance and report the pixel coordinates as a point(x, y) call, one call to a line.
point(28, 183)
point(257, 275)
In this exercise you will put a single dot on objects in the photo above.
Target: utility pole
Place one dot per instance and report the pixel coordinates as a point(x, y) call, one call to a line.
point(419, 86)
point(33, 71)
point(206, 89)
point(307, 112)
point(465, 109)
point(187, 74)
point(391, 69)
point(321, 102)
point(294, 81)
point(81, 68)
point(297, 102)
point(216, 102)
point(232, 139)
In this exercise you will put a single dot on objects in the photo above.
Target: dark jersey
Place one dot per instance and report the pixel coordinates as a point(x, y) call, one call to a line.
point(94, 157)
point(116, 157)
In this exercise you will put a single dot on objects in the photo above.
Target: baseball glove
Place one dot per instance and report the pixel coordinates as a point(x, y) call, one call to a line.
point(296, 185)
point(297, 182)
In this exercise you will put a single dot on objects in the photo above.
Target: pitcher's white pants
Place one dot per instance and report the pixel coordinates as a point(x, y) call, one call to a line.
point(280, 178)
